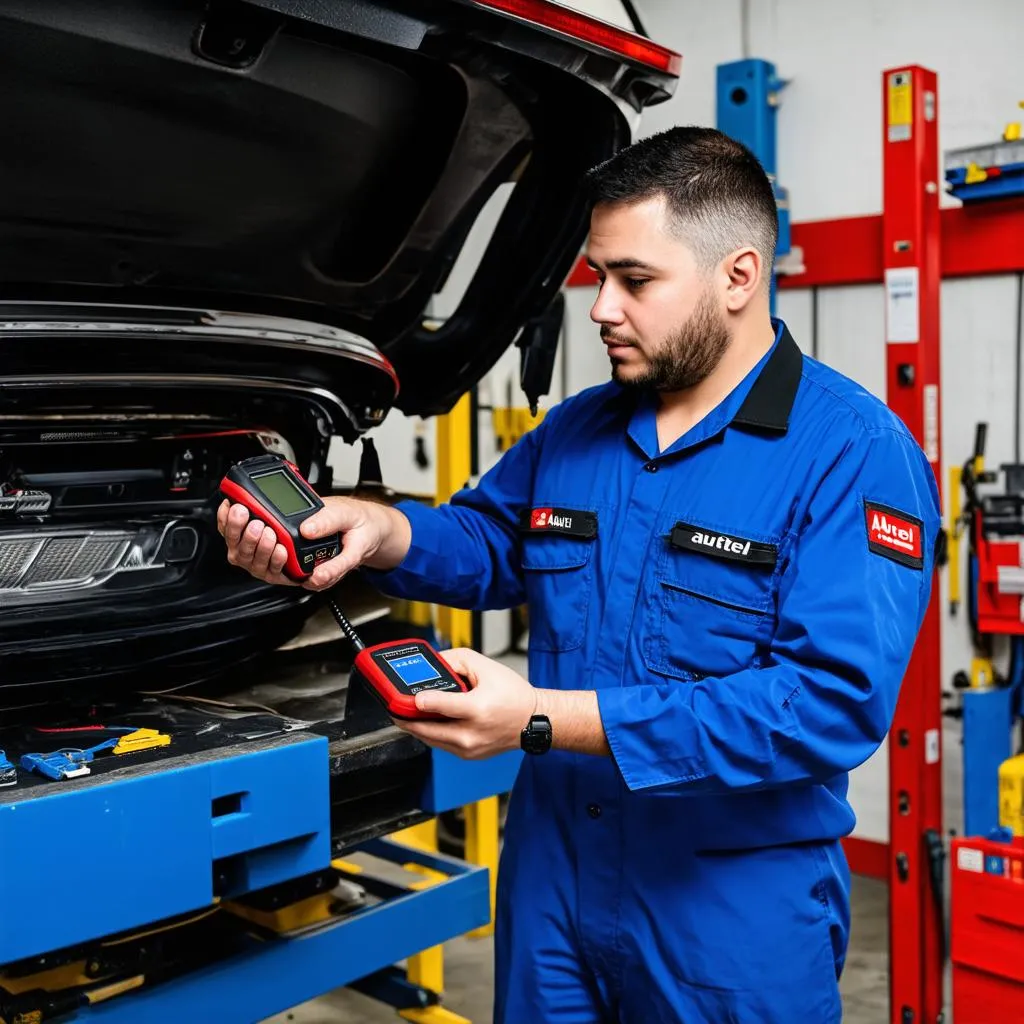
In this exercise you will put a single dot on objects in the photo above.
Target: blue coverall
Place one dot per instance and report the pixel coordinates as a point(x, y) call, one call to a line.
point(745, 604)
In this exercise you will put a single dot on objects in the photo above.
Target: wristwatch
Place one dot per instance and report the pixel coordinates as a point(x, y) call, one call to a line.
point(536, 737)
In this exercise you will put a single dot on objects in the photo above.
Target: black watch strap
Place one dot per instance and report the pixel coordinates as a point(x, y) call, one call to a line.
point(536, 737)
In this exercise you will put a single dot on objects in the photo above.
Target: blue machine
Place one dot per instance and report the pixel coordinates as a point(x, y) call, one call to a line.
point(127, 850)
point(747, 102)
point(987, 723)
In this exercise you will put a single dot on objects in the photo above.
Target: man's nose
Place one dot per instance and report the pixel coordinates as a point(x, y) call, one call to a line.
point(606, 309)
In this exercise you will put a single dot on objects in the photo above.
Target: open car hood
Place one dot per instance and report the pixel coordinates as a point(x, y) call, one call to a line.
point(320, 160)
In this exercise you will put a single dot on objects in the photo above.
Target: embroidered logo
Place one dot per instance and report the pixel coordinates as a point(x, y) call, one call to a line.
point(894, 534)
point(567, 521)
point(722, 545)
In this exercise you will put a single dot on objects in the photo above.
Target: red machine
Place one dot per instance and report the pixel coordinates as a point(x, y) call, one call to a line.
point(997, 522)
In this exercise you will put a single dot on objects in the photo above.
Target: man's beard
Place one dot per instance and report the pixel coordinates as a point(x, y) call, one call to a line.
point(686, 357)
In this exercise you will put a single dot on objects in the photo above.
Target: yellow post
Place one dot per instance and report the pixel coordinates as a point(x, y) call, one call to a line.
point(482, 849)
point(455, 625)
point(954, 538)
point(454, 441)
point(426, 968)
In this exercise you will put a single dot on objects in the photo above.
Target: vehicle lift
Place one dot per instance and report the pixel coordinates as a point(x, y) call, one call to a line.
point(135, 859)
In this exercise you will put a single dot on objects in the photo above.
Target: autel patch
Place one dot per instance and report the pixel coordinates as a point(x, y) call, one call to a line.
point(894, 534)
point(722, 545)
point(569, 522)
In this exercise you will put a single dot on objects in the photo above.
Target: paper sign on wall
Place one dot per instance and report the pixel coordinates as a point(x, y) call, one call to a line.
point(901, 106)
point(901, 305)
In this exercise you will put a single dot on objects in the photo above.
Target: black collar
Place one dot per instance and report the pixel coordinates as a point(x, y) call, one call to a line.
point(770, 400)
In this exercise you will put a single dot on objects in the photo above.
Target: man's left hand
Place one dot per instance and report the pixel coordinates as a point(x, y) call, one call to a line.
point(483, 722)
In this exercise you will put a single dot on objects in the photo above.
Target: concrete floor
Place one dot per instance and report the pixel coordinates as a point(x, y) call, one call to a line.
point(865, 982)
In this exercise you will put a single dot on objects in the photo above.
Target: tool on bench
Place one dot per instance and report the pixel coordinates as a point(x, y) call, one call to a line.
point(8, 772)
point(141, 739)
point(275, 493)
point(69, 763)
point(57, 765)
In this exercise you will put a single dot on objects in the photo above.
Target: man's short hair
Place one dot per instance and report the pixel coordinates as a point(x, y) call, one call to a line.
point(718, 196)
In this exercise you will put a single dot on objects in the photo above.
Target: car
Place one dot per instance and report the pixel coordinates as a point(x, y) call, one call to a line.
point(223, 224)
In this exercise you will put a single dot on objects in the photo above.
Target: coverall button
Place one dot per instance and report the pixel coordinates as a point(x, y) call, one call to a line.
point(651, 467)
point(594, 810)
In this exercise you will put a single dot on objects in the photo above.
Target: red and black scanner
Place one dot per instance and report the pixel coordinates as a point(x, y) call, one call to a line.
point(275, 493)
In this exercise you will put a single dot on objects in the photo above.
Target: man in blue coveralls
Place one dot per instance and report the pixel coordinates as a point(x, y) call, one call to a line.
point(727, 552)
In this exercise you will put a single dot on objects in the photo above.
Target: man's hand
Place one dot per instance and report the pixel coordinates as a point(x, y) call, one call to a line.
point(488, 720)
point(372, 535)
point(483, 722)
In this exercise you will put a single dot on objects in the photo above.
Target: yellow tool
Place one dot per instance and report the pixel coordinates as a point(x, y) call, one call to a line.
point(1011, 794)
point(983, 674)
point(141, 739)
point(975, 174)
point(1012, 131)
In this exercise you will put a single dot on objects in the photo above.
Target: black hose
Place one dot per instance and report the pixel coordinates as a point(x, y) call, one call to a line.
point(346, 627)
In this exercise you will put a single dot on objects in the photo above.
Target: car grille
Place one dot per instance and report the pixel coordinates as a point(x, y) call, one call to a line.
point(15, 556)
point(48, 565)
point(65, 560)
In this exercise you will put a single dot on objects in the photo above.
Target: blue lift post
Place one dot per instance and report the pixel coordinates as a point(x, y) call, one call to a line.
point(746, 106)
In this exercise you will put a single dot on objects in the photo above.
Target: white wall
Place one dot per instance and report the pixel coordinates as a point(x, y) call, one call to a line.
point(829, 158)
point(833, 55)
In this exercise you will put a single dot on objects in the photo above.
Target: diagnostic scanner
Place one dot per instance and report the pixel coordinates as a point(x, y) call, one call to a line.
point(396, 670)
point(275, 493)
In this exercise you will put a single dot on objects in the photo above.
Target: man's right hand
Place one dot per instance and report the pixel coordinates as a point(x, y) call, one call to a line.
point(371, 534)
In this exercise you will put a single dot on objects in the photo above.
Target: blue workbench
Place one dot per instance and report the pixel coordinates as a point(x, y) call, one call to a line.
point(106, 854)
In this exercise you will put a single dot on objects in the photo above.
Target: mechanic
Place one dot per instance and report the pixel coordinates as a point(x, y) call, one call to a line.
point(727, 551)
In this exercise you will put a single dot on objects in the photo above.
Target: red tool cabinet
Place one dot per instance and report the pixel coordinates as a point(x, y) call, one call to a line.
point(987, 931)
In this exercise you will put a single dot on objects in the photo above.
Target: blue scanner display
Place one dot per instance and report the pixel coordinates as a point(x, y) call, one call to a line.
point(413, 669)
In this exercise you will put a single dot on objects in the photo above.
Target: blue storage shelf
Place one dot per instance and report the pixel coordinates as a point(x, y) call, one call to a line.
point(276, 975)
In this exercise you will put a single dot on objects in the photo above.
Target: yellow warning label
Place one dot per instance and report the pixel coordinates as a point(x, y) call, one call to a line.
point(901, 98)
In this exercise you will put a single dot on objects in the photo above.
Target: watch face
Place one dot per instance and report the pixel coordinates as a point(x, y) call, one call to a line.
point(536, 737)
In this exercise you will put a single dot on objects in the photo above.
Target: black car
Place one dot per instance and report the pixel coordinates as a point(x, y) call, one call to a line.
point(221, 226)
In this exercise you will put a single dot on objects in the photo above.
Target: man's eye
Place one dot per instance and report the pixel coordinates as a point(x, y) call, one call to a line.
point(637, 282)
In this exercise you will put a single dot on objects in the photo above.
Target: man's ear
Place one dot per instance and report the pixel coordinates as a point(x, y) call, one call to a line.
point(744, 271)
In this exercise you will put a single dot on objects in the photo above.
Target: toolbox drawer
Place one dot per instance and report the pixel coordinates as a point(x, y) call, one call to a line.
point(98, 855)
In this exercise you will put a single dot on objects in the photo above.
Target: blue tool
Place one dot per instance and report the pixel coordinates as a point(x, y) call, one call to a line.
point(68, 763)
point(8, 773)
point(58, 765)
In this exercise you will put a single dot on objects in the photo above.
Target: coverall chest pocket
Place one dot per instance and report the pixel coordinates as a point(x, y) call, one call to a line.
point(712, 602)
point(558, 573)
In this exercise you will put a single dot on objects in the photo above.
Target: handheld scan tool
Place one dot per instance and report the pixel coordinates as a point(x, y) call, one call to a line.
point(275, 493)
